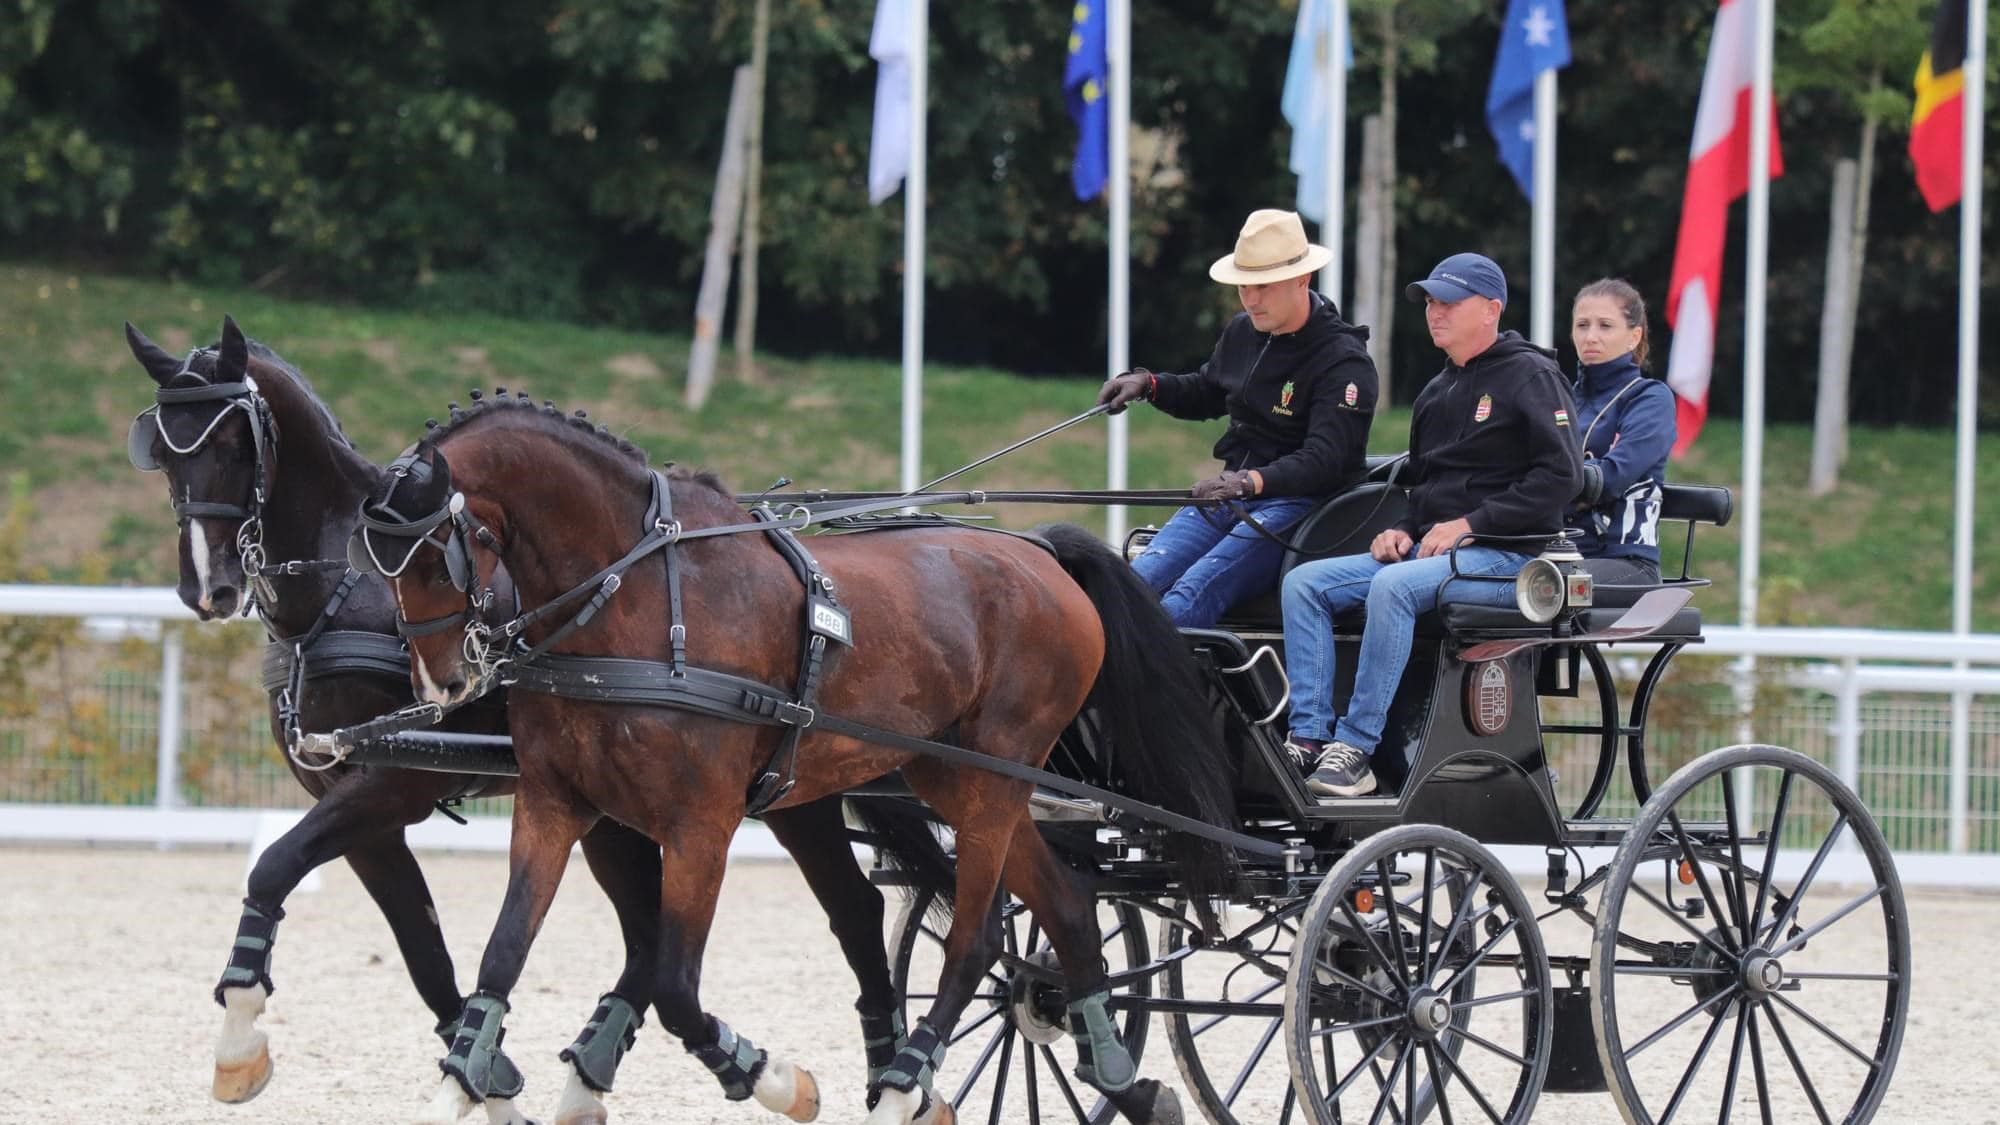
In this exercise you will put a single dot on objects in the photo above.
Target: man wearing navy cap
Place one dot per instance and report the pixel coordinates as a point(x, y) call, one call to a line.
point(1493, 454)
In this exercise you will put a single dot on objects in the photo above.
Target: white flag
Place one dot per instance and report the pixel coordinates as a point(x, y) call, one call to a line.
point(889, 146)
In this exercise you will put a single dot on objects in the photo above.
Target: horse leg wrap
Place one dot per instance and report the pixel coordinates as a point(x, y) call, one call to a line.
point(447, 1029)
point(250, 958)
point(1101, 1059)
point(884, 1035)
point(475, 1058)
point(602, 1043)
point(734, 1060)
point(915, 1065)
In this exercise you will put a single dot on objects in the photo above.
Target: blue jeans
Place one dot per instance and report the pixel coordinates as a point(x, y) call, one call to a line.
point(1395, 594)
point(1201, 568)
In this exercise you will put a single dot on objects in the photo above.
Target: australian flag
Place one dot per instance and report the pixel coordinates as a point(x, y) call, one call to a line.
point(1534, 38)
point(1084, 85)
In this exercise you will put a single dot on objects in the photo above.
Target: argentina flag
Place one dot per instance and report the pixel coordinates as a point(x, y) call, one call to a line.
point(1084, 82)
point(1533, 38)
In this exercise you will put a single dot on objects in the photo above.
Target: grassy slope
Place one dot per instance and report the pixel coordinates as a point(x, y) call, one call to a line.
point(1875, 553)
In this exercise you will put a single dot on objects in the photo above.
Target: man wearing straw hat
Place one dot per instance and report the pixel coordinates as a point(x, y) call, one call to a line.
point(1298, 387)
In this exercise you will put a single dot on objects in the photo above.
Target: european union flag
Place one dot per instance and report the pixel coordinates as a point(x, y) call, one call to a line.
point(1534, 38)
point(1084, 84)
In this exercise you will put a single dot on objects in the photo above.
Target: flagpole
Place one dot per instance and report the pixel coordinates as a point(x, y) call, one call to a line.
point(913, 246)
point(1755, 268)
point(1118, 347)
point(1971, 163)
point(1542, 283)
point(1333, 227)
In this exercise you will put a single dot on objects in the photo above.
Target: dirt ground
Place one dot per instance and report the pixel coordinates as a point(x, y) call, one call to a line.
point(107, 957)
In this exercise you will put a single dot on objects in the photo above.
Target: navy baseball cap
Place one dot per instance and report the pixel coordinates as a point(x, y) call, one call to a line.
point(1461, 276)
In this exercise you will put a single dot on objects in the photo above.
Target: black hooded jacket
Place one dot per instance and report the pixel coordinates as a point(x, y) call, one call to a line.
point(1299, 404)
point(1494, 442)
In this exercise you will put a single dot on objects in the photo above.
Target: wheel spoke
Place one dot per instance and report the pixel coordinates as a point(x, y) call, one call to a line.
point(1334, 1095)
point(1496, 1048)
point(1798, 1068)
point(1851, 1049)
point(1386, 1100)
point(1737, 900)
point(1735, 1066)
point(1858, 902)
point(1490, 945)
point(1342, 974)
point(1062, 1082)
point(1000, 1081)
point(960, 1035)
point(1785, 916)
point(1771, 851)
point(1885, 978)
point(1634, 968)
point(1438, 1083)
point(1251, 999)
point(1249, 1065)
point(1687, 1077)
point(979, 1064)
point(1459, 915)
point(1424, 938)
point(1343, 1028)
point(1034, 1085)
point(1694, 1009)
point(1683, 923)
point(1693, 860)
point(1395, 934)
point(1470, 1087)
point(1757, 1064)
point(1482, 1001)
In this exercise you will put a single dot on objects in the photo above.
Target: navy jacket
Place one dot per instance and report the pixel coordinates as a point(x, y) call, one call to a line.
point(1299, 405)
point(1494, 443)
point(1626, 423)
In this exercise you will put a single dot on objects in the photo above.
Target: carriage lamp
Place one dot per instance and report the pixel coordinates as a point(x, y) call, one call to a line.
point(1554, 580)
point(1138, 540)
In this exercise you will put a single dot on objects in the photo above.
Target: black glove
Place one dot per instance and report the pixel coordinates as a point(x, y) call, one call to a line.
point(1593, 485)
point(1230, 484)
point(1120, 390)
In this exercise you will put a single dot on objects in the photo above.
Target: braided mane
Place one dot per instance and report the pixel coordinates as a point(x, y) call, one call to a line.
point(521, 405)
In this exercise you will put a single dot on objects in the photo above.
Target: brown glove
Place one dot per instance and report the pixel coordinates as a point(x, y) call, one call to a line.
point(1118, 391)
point(1230, 484)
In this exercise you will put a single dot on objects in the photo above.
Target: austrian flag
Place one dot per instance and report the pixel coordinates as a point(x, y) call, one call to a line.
point(1718, 173)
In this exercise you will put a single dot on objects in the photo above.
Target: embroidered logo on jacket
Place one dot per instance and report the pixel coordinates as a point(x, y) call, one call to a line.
point(1284, 400)
point(1562, 417)
point(1352, 396)
point(1485, 410)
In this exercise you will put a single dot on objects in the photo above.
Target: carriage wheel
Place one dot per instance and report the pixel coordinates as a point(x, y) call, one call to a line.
point(1010, 1056)
point(1388, 1014)
point(1752, 953)
point(1223, 1007)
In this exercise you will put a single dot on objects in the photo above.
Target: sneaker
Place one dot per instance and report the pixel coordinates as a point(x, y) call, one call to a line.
point(1304, 753)
point(1342, 772)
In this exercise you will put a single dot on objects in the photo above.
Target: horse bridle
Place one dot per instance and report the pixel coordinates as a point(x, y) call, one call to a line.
point(451, 529)
point(237, 396)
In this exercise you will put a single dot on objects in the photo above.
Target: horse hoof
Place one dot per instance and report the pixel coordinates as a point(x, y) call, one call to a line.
point(938, 1112)
point(788, 1089)
point(1167, 1107)
point(501, 1111)
point(240, 1081)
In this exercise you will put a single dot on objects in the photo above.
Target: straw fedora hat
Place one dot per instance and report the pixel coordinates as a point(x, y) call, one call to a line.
point(1271, 247)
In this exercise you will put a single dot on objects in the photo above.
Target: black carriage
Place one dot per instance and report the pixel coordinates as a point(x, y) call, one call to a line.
point(1376, 943)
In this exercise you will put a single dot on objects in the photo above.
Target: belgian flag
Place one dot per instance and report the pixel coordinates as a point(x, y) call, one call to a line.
point(1937, 127)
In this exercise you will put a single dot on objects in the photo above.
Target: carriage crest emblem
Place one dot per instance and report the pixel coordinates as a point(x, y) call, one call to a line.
point(1485, 410)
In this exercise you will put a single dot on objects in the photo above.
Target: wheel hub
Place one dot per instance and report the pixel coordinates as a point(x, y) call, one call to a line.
point(1762, 973)
point(1040, 1009)
point(1430, 1012)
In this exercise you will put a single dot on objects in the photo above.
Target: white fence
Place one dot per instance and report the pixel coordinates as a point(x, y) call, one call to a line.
point(1960, 667)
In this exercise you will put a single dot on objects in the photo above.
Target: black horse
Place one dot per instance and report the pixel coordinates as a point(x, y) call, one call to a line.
point(267, 489)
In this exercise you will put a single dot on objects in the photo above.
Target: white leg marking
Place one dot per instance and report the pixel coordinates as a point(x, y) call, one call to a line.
point(579, 1104)
point(240, 1038)
point(446, 1106)
point(501, 1111)
point(198, 555)
point(895, 1108)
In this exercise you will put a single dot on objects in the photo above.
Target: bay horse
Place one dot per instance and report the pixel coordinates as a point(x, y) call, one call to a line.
point(989, 641)
point(267, 489)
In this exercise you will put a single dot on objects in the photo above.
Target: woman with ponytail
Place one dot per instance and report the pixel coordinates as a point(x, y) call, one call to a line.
point(1626, 424)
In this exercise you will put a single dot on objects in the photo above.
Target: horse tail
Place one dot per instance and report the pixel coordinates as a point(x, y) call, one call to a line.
point(905, 841)
point(1150, 703)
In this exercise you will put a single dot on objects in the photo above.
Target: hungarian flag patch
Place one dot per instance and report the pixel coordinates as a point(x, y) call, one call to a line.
point(1562, 417)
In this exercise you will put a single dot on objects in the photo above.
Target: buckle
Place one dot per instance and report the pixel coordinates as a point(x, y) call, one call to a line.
point(789, 713)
